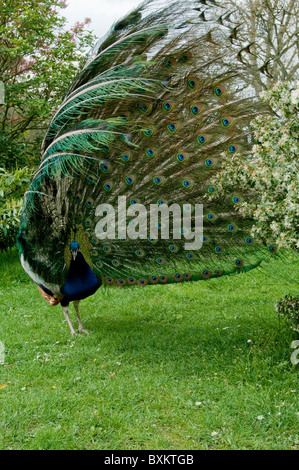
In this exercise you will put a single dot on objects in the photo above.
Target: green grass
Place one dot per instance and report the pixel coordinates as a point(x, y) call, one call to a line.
point(154, 352)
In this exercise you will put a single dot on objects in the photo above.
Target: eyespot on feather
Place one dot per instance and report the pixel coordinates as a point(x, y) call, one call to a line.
point(188, 184)
point(168, 105)
point(226, 121)
point(233, 148)
point(172, 127)
point(206, 274)
point(158, 180)
point(129, 180)
point(202, 138)
point(145, 108)
point(126, 157)
point(140, 253)
point(170, 62)
point(105, 167)
point(219, 90)
point(148, 132)
point(108, 186)
point(185, 57)
point(154, 279)
point(150, 152)
point(182, 157)
point(210, 162)
point(192, 82)
point(211, 216)
point(196, 109)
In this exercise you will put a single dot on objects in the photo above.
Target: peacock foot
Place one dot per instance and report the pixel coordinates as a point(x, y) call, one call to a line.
point(83, 330)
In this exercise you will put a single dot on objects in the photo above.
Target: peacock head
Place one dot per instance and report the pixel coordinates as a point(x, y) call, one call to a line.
point(74, 246)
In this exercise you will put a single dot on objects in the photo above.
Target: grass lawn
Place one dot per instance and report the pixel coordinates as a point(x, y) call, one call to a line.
point(189, 366)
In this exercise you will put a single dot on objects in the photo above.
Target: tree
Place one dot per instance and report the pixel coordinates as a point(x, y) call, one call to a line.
point(267, 31)
point(38, 60)
point(271, 171)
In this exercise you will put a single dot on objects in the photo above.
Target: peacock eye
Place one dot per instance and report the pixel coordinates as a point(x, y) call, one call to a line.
point(219, 90)
point(129, 180)
point(210, 162)
point(150, 153)
point(104, 167)
point(202, 139)
point(227, 121)
point(167, 106)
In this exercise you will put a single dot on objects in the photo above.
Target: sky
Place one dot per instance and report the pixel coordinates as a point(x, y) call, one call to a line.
point(103, 13)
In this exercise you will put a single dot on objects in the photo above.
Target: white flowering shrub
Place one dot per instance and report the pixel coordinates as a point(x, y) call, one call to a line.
point(272, 170)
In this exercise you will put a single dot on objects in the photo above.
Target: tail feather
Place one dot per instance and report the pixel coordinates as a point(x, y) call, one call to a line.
point(159, 101)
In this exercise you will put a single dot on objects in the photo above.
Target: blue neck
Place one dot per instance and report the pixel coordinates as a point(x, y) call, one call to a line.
point(81, 281)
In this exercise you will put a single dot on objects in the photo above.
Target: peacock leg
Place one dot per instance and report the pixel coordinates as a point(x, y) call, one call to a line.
point(81, 327)
point(67, 317)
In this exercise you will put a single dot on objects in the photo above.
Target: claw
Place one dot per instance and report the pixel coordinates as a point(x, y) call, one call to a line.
point(82, 330)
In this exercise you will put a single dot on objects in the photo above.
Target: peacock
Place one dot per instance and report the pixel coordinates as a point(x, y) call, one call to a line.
point(124, 192)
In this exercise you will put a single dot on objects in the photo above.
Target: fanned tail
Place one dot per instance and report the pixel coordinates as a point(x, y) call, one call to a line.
point(146, 122)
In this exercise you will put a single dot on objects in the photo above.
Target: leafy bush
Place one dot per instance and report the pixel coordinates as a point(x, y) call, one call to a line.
point(12, 187)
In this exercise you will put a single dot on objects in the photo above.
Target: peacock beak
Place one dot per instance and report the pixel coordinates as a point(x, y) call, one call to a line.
point(74, 254)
